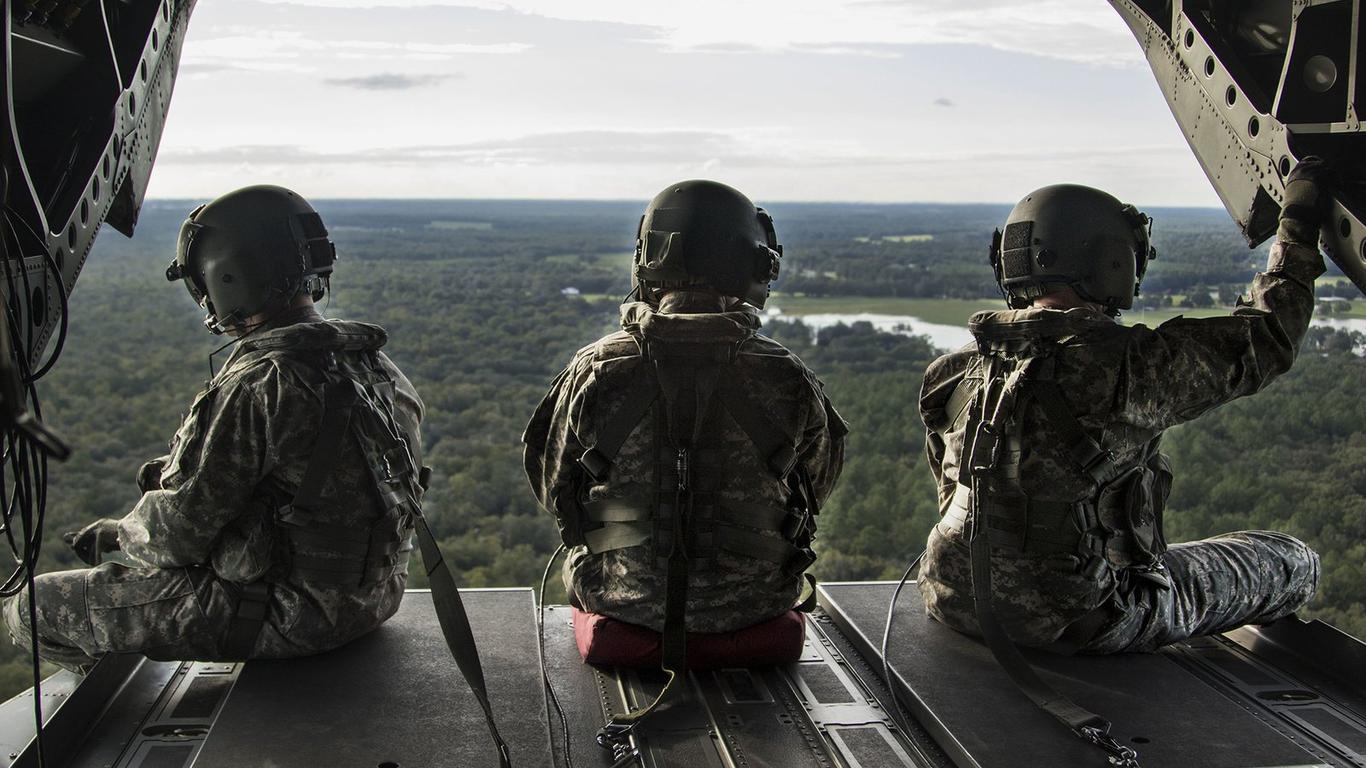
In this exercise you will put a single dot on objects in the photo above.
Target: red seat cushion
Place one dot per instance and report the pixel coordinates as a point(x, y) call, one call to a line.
point(607, 641)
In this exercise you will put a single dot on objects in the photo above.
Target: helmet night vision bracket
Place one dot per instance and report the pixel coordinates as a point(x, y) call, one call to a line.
point(1074, 236)
point(703, 233)
point(251, 250)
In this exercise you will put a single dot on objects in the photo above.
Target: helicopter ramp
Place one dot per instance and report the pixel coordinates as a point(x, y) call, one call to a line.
point(1289, 694)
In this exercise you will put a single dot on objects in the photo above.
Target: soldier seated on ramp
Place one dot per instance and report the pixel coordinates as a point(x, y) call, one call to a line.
point(685, 456)
point(1043, 436)
point(279, 524)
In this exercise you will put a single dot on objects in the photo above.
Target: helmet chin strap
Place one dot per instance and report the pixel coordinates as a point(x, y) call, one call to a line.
point(219, 327)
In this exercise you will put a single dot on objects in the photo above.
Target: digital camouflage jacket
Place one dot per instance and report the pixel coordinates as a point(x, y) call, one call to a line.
point(239, 455)
point(730, 591)
point(1125, 385)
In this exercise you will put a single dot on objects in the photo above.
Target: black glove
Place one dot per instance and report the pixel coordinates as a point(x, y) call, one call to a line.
point(94, 541)
point(149, 475)
point(1308, 194)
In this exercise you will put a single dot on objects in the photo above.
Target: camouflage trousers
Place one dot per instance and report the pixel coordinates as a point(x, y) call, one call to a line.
point(174, 613)
point(184, 614)
point(1218, 584)
point(1251, 577)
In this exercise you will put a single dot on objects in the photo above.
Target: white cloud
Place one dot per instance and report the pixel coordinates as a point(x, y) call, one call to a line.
point(274, 45)
point(1076, 30)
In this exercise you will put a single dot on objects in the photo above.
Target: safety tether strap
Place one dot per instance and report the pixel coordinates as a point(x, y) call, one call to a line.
point(455, 626)
point(984, 432)
point(687, 390)
point(253, 603)
point(340, 398)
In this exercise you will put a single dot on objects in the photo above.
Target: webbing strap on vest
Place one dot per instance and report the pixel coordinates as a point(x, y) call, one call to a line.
point(339, 401)
point(253, 603)
point(640, 397)
point(686, 390)
point(455, 626)
point(983, 433)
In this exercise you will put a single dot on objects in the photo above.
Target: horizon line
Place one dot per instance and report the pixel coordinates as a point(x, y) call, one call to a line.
point(635, 201)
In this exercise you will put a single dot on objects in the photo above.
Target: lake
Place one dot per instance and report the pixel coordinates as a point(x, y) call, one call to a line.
point(955, 336)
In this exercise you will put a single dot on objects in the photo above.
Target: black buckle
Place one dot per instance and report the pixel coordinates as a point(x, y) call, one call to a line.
point(782, 461)
point(1119, 755)
point(797, 564)
point(799, 527)
point(986, 444)
point(595, 464)
point(616, 738)
point(396, 456)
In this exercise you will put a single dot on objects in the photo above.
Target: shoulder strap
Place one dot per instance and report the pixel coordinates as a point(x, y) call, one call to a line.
point(1082, 722)
point(455, 626)
point(1095, 460)
point(339, 400)
point(774, 444)
point(640, 397)
point(341, 395)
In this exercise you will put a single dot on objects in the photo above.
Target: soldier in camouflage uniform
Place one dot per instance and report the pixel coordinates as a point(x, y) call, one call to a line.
point(1077, 559)
point(223, 566)
point(599, 458)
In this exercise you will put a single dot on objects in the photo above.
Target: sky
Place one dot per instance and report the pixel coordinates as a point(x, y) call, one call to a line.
point(838, 100)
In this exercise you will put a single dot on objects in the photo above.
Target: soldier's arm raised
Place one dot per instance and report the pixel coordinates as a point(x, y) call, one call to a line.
point(1187, 366)
point(213, 476)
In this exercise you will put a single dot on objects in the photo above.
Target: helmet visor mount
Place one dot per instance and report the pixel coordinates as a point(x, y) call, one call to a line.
point(317, 252)
point(1068, 235)
point(180, 268)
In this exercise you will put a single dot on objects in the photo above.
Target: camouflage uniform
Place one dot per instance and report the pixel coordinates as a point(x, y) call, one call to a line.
point(629, 583)
point(1125, 385)
point(210, 524)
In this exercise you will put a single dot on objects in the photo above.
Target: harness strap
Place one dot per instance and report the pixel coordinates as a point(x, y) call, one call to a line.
point(774, 444)
point(1099, 463)
point(617, 536)
point(327, 570)
point(1081, 721)
point(340, 398)
point(253, 605)
point(687, 389)
point(640, 397)
point(629, 523)
point(455, 626)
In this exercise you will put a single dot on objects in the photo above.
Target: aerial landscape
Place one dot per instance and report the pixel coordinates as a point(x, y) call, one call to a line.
point(485, 301)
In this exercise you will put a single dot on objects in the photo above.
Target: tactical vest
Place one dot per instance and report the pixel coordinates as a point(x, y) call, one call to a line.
point(683, 388)
point(358, 406)
point(1120, 523)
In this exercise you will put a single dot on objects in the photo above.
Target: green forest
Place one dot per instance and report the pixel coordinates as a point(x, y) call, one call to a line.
point(486, 301)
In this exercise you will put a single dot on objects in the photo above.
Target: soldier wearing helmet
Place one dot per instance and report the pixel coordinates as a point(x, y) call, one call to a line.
point(685, 456)
point(1043, 436)
point(279, 523)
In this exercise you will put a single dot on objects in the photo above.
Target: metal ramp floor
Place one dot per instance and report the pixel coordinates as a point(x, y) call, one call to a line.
point(1292, 694)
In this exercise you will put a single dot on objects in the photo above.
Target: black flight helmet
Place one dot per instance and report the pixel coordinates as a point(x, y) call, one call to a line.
point(706, 233)
point(1071, 235)
point(250, 251)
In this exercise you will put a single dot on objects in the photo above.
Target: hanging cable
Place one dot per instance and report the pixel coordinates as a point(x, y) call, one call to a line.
point(26, 443)
point(899, 715)
point(551, 698)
